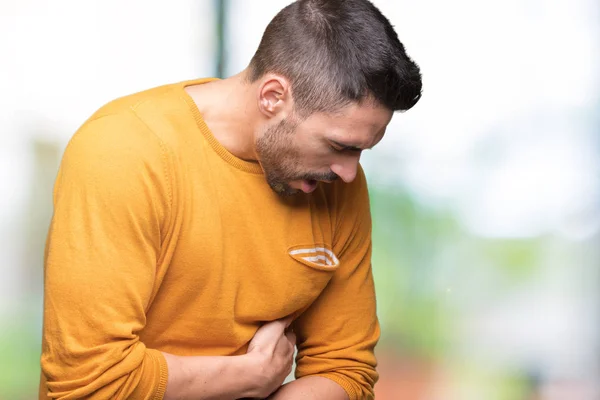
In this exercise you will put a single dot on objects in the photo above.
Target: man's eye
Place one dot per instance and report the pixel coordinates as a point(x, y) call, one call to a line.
point(336, 149)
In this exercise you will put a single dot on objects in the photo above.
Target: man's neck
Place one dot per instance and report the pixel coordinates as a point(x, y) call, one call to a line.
point(229, 109)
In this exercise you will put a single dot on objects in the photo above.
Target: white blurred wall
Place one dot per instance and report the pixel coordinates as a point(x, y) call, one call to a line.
point(62, 60)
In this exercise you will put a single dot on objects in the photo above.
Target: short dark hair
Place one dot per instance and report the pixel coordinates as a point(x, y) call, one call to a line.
point(335, 52)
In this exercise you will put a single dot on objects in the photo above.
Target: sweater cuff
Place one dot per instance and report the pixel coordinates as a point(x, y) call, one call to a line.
point(152, 383)
point(158, 359)
point(344, 383)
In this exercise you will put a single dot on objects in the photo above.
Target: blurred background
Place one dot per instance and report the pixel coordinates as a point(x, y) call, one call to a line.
point(485, 196)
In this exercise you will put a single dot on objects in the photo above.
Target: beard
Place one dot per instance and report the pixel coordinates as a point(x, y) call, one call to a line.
point(280, 160)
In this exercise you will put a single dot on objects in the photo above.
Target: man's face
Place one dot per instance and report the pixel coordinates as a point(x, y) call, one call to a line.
point(297, 155)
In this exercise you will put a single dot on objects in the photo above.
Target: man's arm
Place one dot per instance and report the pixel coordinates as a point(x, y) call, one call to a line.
point(338, 332)
point(209, 377)
point(256, 374)
point(111, 207)
point(105, 258)
point(310, 388)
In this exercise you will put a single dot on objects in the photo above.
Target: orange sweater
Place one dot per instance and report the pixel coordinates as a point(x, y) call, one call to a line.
point(162, 240)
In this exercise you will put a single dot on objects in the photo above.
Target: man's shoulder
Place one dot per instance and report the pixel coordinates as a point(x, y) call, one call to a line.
point(342, 194)
point(125, 104)
point(155, 100)
point(159, 110)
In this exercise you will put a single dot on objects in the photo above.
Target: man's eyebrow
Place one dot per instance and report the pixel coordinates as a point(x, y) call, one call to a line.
point(350, 147)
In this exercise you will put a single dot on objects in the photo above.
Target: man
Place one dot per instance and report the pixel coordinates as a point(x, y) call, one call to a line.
point(204, 229)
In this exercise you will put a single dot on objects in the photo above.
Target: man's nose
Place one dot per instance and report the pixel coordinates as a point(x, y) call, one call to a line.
point(346, 170)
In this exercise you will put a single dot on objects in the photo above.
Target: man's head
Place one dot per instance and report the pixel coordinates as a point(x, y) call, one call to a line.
point(330, 74)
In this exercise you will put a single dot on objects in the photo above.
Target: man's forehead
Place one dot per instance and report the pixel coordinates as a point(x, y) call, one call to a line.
point(355, 116)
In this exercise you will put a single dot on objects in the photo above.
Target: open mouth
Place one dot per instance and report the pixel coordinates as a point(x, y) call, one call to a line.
point(308, 186)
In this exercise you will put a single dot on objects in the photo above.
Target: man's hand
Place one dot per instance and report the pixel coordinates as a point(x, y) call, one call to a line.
point(256, 374)
point(272, 351)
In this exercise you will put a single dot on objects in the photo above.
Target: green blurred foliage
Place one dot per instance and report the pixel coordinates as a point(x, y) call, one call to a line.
point(20, 349)
point(419, 254)
point(406, 242)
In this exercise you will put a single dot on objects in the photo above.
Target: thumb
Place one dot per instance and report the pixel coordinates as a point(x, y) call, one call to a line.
point(287, 320)
point(280, 325)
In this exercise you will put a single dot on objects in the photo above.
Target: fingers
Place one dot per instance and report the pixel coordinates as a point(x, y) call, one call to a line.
point(291, 336)
point(274, 329)
point(283, 323)
point(280, 325)
point(288, 320)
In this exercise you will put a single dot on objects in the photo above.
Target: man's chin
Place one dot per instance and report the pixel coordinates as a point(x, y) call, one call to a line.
point(283, 189)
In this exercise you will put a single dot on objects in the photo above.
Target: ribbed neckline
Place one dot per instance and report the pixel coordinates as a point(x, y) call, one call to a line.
point(246, 166)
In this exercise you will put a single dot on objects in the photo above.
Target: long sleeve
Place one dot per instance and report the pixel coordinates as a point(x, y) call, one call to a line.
point(111, 209)
point(338, 333)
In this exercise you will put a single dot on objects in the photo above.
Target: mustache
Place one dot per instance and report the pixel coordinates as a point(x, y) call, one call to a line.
point(325, 176)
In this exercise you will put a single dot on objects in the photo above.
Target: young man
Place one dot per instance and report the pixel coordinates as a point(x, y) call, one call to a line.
point(204, 229)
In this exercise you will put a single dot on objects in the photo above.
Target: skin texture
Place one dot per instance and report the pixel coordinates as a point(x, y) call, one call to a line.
point(310, 388)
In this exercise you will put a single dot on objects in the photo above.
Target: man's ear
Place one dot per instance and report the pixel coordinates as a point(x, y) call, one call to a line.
point(274, 95)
